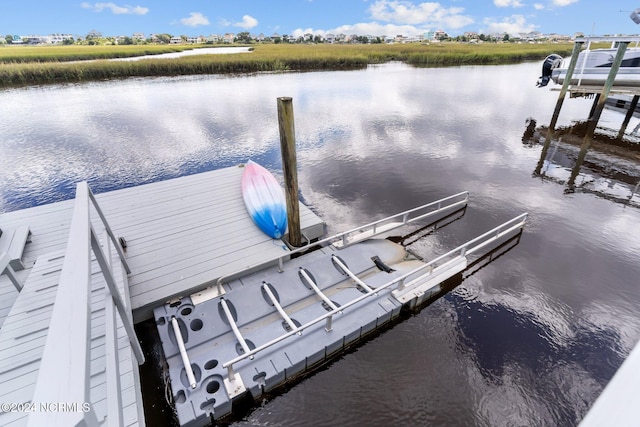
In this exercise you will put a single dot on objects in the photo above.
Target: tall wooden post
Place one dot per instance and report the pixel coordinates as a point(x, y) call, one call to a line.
point(556, 112)
point(593, 121)
point(627, 117)
point(289, 168)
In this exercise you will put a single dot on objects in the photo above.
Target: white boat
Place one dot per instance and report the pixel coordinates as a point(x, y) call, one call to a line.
point(593, 66)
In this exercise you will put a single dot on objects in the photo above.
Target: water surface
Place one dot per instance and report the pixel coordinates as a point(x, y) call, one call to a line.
point(531, 338)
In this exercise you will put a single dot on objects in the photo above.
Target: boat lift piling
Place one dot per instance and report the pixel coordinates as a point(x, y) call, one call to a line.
point(601, 95)
point(289, 168)
point(556, 112)
point(599, 106)
point(627, 117)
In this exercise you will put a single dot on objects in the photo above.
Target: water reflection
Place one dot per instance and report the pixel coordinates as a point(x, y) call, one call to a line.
point(611, 169)
point(192, 52)
point(372, 143)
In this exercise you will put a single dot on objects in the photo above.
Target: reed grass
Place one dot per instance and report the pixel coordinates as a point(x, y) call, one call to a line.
point(275, 57)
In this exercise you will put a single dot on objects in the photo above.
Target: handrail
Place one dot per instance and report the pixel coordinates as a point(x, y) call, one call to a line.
point(64, 373)
point(373, 225)
point(64, 370)
point(115, 242)
point(462, 250)
point(5, 268)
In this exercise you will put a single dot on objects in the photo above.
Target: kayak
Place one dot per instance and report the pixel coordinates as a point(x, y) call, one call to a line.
point(264, 198)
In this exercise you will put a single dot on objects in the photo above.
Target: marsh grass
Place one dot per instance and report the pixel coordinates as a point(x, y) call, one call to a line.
point(277, 57)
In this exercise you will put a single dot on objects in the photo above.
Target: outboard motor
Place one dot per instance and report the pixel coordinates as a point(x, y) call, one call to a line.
point(550, 63)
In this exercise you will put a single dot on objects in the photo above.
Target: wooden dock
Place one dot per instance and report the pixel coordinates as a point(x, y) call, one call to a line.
point(181, 236)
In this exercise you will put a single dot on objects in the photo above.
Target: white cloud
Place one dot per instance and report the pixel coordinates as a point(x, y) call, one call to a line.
point(247, 22)
point(371, 28)
point(538, 6)
point(508, 3)
point(509, 24)
point(563, 2)
point(427, 14)
point(117, 10)
point(195, 19)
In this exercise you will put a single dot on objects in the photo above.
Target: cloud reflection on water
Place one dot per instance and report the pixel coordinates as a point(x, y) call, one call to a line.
point(553, 317)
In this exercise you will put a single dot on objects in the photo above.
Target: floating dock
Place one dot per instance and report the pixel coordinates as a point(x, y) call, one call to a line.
point(238, 313)
point(181, 235)
point(256, 332)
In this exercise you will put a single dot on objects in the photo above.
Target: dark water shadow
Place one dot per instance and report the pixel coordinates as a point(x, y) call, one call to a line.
point(611, 170)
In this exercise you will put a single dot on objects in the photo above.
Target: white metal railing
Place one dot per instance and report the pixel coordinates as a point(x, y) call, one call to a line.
point(467, 248)
point(64, 373)
point(5, 268)
point(367, 231)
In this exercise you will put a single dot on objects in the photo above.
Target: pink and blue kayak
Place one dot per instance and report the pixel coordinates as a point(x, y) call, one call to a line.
point(264, 198)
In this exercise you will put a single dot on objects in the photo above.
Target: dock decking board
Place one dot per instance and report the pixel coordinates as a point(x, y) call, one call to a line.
point(182, 234)
point(24, 334)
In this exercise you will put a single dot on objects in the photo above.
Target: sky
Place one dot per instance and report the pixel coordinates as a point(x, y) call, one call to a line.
point(319, 17)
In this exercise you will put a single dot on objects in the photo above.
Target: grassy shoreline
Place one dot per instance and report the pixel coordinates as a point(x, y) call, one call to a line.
point(21, 66)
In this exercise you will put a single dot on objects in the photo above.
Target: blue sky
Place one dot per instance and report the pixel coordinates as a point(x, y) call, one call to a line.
point(296, 17)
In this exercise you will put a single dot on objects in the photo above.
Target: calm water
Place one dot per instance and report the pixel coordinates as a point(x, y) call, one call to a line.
point(529, 339)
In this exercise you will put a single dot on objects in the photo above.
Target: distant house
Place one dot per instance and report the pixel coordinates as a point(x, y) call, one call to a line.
point(228, 38)
point(214, 38)
point(138, 36)
point(36, 39)
point(260, 37)
point(440, 34)
point(93, 34)
point(176, 40)
point(59, 38)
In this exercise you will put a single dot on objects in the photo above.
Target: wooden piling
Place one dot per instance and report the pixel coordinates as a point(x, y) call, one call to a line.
point(289, 168)
point(554, 119)
point(627, 117)
point(593, 121)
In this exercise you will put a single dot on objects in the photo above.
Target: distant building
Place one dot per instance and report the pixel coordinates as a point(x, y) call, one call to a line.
point(330, 38)
point(228, 38)
point(34, 39)
point(138, 36)
point(176, 40)
point(440, 34)
point(59, 38)
point(93, 34)
point(214, 38)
